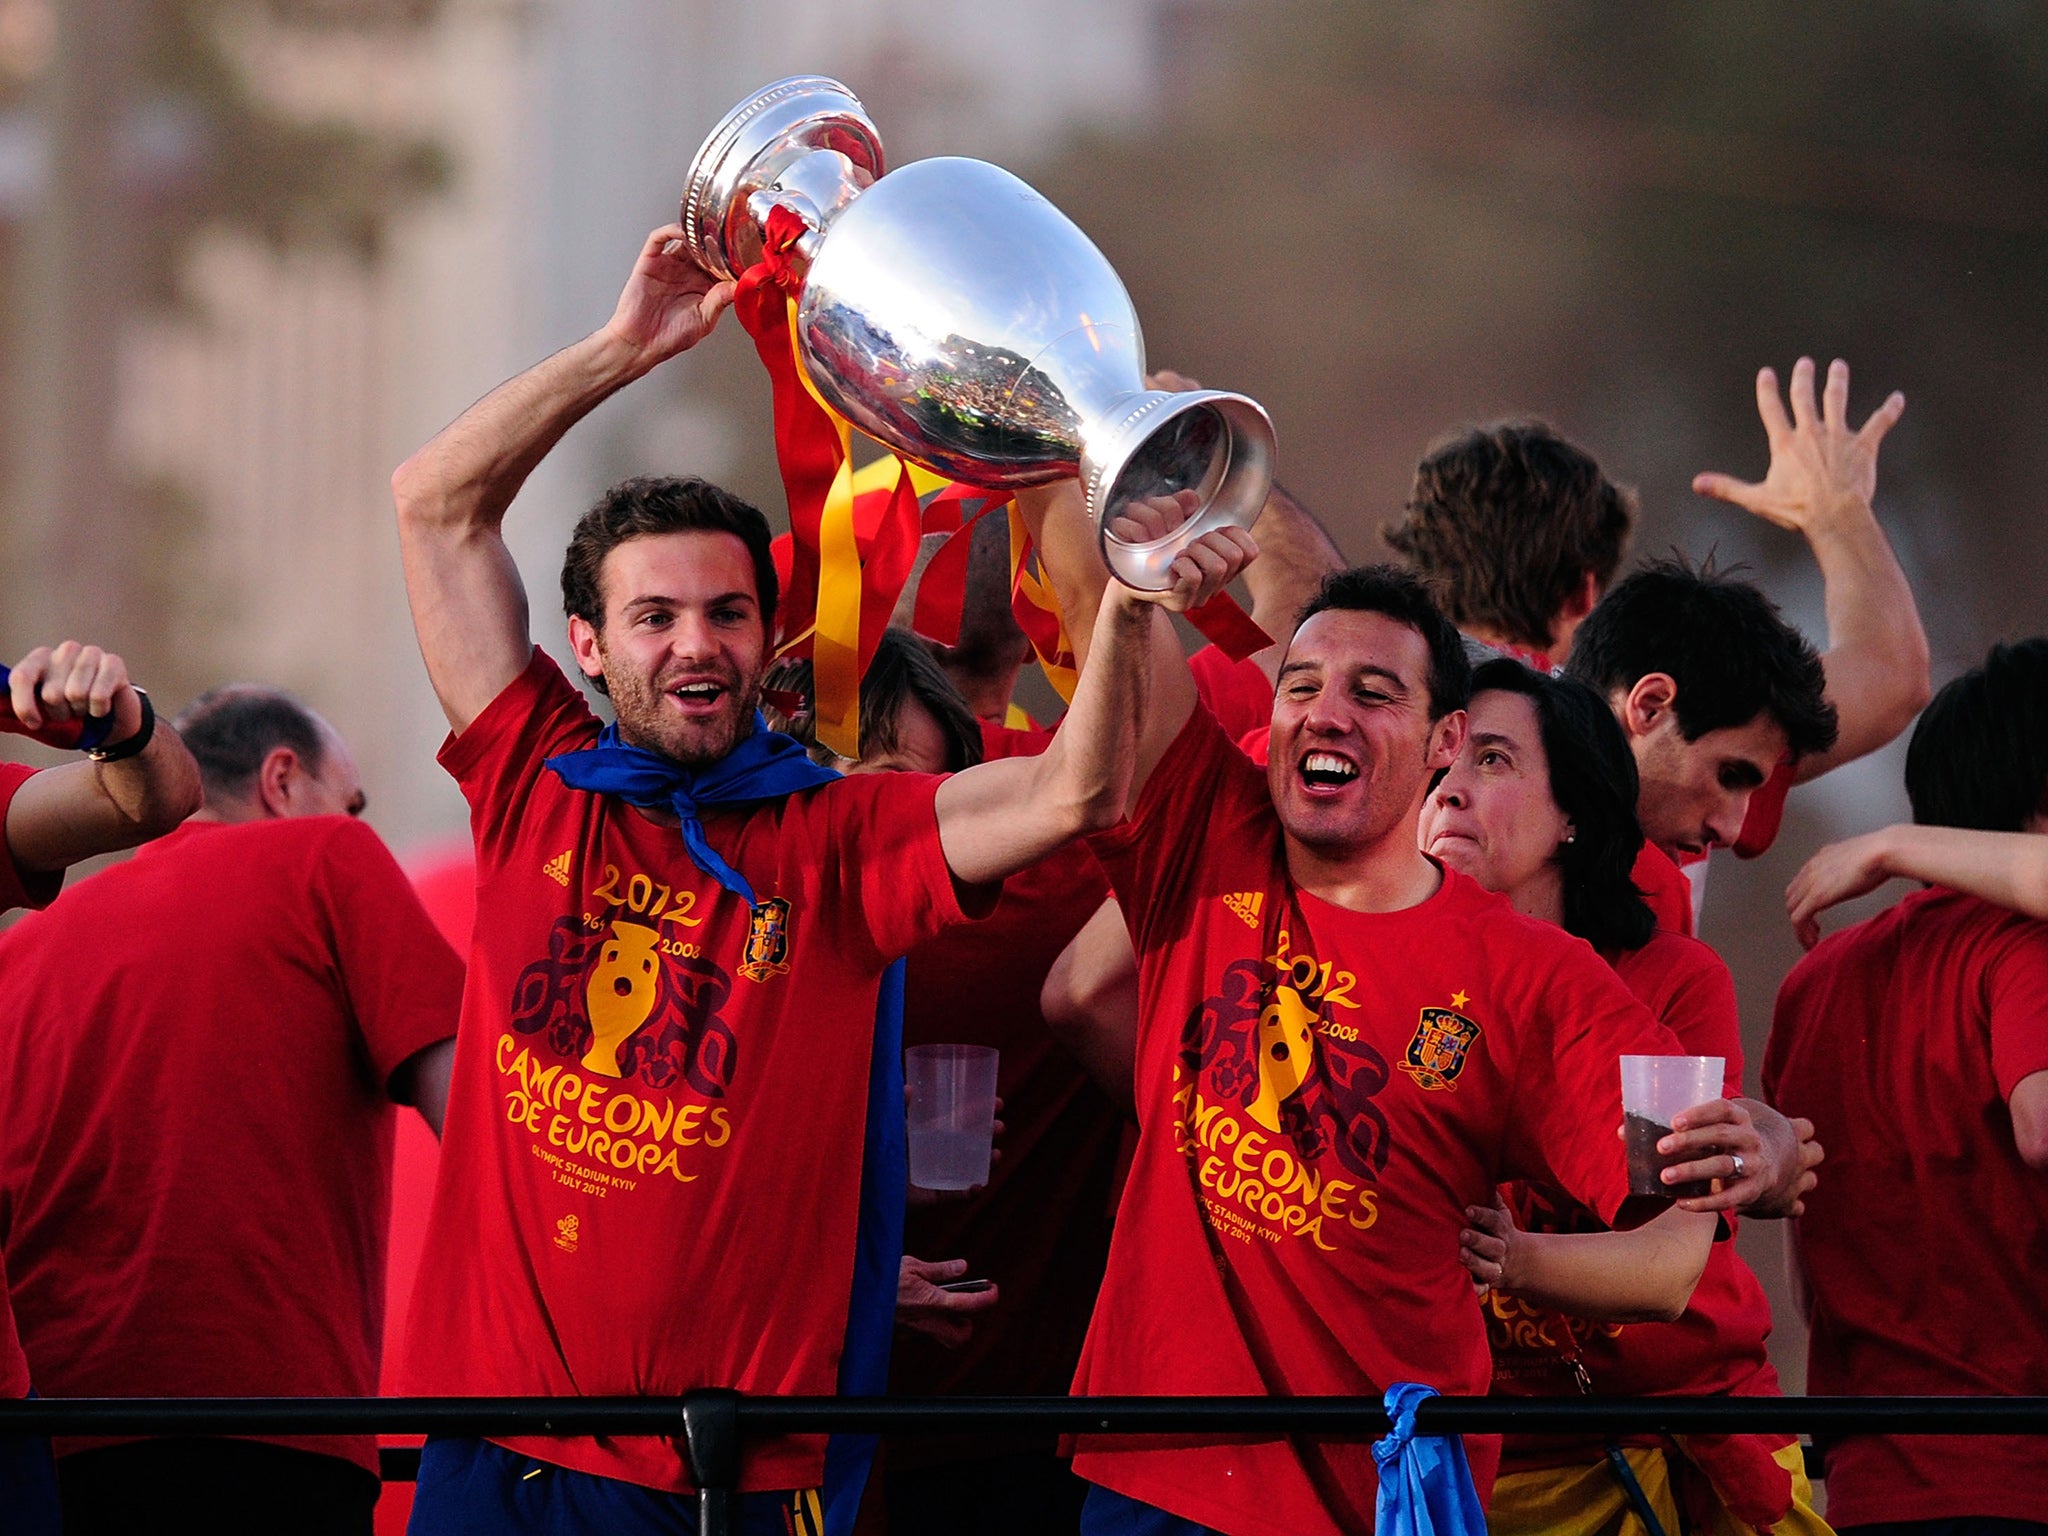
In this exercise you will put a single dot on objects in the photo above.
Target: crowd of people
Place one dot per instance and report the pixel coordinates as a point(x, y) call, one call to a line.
point(1310, 973)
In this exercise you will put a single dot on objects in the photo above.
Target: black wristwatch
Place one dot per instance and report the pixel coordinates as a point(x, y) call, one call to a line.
point(133, 746)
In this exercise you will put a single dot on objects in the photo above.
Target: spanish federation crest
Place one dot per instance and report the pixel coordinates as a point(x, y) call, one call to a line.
point(1437, 1053)
point(767, 940)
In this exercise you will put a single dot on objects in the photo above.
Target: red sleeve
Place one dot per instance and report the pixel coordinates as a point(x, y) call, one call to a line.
point(498, 759)
point(2016, 989)
point(22, 887)
point(1203, 798)
point(402, 981)
point(890, 867)
point(1567, 1100)
point(1766, 812)
point(1237, 692)
point(1688, 987)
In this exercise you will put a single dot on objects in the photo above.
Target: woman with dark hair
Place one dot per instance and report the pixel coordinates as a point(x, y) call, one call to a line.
point(1540, 806)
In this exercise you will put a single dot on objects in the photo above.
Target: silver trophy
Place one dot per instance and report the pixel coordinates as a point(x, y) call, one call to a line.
point(955, 315)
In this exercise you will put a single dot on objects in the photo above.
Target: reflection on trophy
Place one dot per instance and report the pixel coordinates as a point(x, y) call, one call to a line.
point(953, 314)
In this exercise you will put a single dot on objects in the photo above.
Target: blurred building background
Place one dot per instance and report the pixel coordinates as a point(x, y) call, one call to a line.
point(256, 251)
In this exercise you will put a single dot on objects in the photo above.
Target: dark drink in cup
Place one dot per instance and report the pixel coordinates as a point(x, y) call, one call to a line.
point(1646, 1164)
point(1653, 1090)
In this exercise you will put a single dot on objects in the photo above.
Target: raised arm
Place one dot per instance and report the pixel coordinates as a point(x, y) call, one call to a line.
point(1000, 817)
point(1643, 1276)
point(1820, 483)
point(81, 809)
point(468, 604)
point(2007, 869)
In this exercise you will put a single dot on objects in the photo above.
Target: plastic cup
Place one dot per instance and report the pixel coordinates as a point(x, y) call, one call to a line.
point(952, 1114)
point(1653, 1090)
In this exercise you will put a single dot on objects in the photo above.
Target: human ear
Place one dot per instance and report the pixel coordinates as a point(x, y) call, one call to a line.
point(277, 779)
point(584, 643)
point(1648, 704)
point(1446, 739)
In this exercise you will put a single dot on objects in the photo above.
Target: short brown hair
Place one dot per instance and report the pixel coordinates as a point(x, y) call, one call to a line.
point(1506, 520)
point(652, 504)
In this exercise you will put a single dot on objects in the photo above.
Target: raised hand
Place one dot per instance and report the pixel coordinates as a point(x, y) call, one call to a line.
point(1817, 463)
point(49, 686)
point(1200, 571)
point(669, 303)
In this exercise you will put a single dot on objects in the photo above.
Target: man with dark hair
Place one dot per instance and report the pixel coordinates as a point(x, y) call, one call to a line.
point(137, 783)
point(1518, 531)
point(681, 999)
point(1918, 1042)
point(200, 1051)
point(1314, 1120)
point(1713, 690)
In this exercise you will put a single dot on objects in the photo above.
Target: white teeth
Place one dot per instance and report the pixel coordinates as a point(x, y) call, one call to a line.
point(698, 690)
point(1325, 762)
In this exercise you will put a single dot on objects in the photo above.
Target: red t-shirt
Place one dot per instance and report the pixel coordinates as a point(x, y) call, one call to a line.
point(1926, 1239)
point(1238, 693)
point(18, 888)
point(1718, 1346)
point(1665, 888)
point(670, 1204)
point(1293, 1236)
point(195, 1051)
point(1040, 1229)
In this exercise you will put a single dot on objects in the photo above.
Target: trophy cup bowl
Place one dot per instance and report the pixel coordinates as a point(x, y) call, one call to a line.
point(952, 313)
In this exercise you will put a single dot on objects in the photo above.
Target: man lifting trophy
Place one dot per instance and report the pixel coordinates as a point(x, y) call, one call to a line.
point(736, 912)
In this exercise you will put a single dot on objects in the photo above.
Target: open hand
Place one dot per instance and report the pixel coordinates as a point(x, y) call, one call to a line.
point(1839, 872)
point(50, 686)
point(947, 1316)
point(1819, 467)
point(1199, 572)
point(669, 303)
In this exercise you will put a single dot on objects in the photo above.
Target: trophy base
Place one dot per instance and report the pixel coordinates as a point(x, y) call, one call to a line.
point(753, 146)
point(1218, 445)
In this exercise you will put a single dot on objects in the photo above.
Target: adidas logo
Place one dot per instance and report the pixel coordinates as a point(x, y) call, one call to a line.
point(1246, 905)
point(557, 868)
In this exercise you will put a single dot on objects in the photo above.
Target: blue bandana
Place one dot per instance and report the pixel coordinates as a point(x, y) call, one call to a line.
point(1425, 1482)
point(765, 765)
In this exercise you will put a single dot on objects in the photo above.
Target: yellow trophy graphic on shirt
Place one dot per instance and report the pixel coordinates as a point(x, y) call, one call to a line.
point(1285, 1049)
point(620, 994)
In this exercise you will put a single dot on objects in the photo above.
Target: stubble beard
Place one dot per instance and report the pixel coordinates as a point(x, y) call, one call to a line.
point(645, 722)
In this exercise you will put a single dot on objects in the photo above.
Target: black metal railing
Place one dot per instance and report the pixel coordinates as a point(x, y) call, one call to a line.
point(713, 1424)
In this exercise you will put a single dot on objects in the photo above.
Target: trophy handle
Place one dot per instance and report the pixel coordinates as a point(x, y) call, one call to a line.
point(1219, 445)
point(807, 135)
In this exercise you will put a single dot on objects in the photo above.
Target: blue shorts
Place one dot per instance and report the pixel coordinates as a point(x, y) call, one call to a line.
point(475, 1488)
point(1116, 1514)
